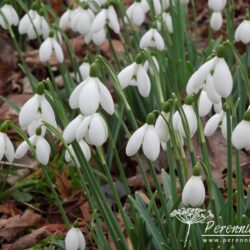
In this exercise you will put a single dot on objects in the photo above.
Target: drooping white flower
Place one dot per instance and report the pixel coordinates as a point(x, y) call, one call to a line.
point(6, 147)
point(89, 94)
point(242, 32)
point(241, 133)
point(85, 150)
point(136, 12)
point(147, 137)
point(8, 14)
point(106, 17)
point(217, 5)
point(222, 81)
point(81, 20)
point(161, 126)
point(34, 111)
point(167, 19)
point(75, 240)
point(152, 39)
point(34, 25)
point(93, 129)
point(66, 19)
point(216, 21)
point(191, 120)
point(42, 149)
point(135, 75)
point(49, 47)
point(193, 193)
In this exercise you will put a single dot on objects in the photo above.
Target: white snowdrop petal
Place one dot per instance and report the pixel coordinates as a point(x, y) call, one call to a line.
point(81, 240)
point(210, 90)
point(204, 104)
point(145, 6)
point(216, 5)
point(216, 21)
point(125, 77)
point(244, 33)
point(2, 145)
point(85, 19)
point(74, 97)
point(218, 107)
point(138, 14)
point(85, 149)
point(113, 20)
point(212, 124)
point(84, 71)
point(72, 239)
point(176, 119)
point(42, 150)
point(64, 22)
point(99, 21)
point(224, 127)
point(239, 135)
point(193, 193)
point(9, 149)
point(135, 141)
point(146, 40)
point(157, 7)
point(23, 24)
point(222, 79)
point(99, 37)
point(82, 129)
point(151, 144)
point(143, 82)
point(159, 42)
point(48, 114)
point(89, 97)
point(44, 28)
point(161, 127)
point(58, 51)
point(69, 133)
point(22, 149)
point(45, 50)
point(97, 130)
point(28, 111)
point(168, 21)
point(106, 99)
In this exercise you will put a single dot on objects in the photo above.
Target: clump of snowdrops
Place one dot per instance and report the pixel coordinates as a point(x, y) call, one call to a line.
point(165, 89)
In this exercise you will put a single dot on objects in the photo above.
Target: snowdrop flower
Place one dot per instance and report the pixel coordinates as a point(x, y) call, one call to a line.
point(85, 150)
point(34, 24)
point(84, 71)
point(66, 19)
point(205, 104)
point(82, 15)
point(51, 46)
point(216, 21)
point(136, 12)
point(217, 5)
point(193, 193)
point(150, 67)
point(147, 137)
point(214, 122)
point(152, 39)
point(135, 74)
point(41, 145)
point(190, 116)
point(242, 33)
point(107, 16)
point(6, 146)
point(92, 128)
point(75, 240)
point(167, 19)
point(222, 81)
point(8, 14)
point(36, 110)
point(161, 125)
point(241, 133)
point(91, 93)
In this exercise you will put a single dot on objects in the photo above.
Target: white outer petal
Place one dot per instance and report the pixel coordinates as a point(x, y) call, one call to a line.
point(216, 21)
point(135, 141)
point(106, 99)
point(244, 33)
point(212, 124)
point(222, 79)
point(69, 133)
point(89, 97)
point(99, 21)
point(143, 82)
point(151, 143)
point(72, 239)
point(74, 97)
point(28, 111)
point(193, 193)
point(48, 114)
point(82, 128)
point(84, 71)
point(58, 51)
point(138, 14)
point(126, 75)
point(217, 5)
point(204, 104)
point(42, 150)
point(99, 37)
point(9, 149)
point(2, 145)
point(161, 127)
point(85, 149)
point(146, 40)
point(113, 20)
point(45, 50)
point(241, 135)
point(210, 90)
point(159, 42)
